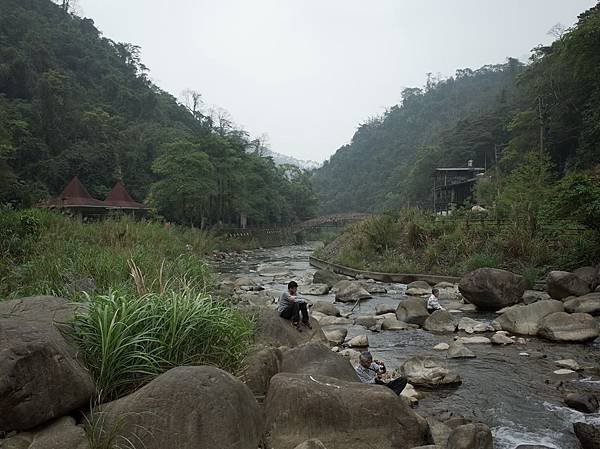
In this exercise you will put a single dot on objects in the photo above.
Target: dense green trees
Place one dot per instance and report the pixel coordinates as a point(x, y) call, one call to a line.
point(73, 102)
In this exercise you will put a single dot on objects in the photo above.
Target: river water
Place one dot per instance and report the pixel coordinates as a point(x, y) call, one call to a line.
point(516, 395)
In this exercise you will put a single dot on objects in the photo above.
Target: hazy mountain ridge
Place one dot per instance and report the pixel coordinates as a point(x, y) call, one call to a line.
point(282, 159)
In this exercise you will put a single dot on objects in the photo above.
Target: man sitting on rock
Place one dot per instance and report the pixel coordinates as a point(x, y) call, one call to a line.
point(433, 303)
point(290, 307)
point(370, 372)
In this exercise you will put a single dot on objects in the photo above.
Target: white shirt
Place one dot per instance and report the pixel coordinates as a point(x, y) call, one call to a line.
point(433, 303)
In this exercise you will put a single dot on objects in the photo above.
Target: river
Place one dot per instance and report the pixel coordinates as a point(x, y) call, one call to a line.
point(516, 395)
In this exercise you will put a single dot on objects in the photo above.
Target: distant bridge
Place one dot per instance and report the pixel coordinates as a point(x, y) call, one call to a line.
point(276, 233)
point(334, 220)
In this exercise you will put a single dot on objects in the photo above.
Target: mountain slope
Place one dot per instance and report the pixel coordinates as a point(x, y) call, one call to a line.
point(368, 174)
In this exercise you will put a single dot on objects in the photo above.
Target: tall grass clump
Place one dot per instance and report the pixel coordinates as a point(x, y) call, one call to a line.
point(127, 340)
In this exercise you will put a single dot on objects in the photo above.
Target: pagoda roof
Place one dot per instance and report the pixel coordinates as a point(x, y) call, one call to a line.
point(74, 195)
point(120, 198)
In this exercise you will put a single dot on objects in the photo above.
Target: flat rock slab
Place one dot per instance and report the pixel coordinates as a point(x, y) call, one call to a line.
point(474, 340)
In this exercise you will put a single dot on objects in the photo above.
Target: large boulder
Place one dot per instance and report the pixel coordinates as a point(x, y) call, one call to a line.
point(428, 371)
point(589, 275)
point(41, 377)
point(583, 402)
point(438, 432)
point(412, 311)
point(491, 288)
point(588, 435)
point(185, 408)
point(440, 321)
point(272, 330)
point(350, 291)
point(526, 320)
point(259, 366)
point(382, 309)
point(318, 359)
point(589, 303)
point(471, 436)
point(327, 277)
point(419, 284)
point(343, 415)
point(325, 308)
point(560, 326)
point(59, 434)
point(562, 284)
point(336, 337)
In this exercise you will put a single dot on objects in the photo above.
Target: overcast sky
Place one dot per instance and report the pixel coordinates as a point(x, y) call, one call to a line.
point(307, 72)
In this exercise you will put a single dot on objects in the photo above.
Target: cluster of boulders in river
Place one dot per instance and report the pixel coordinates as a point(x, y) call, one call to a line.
point(297, 390)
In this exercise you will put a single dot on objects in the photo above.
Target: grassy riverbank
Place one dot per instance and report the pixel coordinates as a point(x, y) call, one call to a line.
point(146, 288)
point(413, 241)
point(48, 253)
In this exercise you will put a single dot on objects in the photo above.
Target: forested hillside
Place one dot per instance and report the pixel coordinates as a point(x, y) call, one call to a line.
point(552, 104)
point(73, 102)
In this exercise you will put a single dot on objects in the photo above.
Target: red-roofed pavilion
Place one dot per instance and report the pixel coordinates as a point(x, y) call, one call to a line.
point(119, 198)
point(75, 196)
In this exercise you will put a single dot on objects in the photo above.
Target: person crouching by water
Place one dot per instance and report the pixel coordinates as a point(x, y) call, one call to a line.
point(433, 302)
point(369, 372)
point(290, 307)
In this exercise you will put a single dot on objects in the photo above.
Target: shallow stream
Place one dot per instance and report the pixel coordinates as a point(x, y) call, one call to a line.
point(516, 395)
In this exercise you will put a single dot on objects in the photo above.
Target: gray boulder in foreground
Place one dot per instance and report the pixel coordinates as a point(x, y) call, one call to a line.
point(526, 320)
point(492, 289)
point(440, 321)
point(185, 408)
point(318, 360)
point(41, 377)
point(272, 330)
point(327, 277)
point(350, 291)
point(428, 371)
point(412, 311)
point(589, 303)
point(562, 284)
point(561, 326)
point(588, 435)
point(342, 415)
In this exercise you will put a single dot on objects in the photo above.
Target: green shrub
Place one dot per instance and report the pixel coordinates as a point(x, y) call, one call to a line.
point(126, 340)
point(482, 260)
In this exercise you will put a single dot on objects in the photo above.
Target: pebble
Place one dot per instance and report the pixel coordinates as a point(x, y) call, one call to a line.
point(524, 354)
point(564, 372)
point(441, 346)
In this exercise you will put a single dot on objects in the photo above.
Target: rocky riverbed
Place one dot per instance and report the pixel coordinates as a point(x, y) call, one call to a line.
point(517, 389)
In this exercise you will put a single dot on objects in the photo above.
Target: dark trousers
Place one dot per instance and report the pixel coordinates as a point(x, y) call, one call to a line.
point(397, 385)
point(293, 312)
